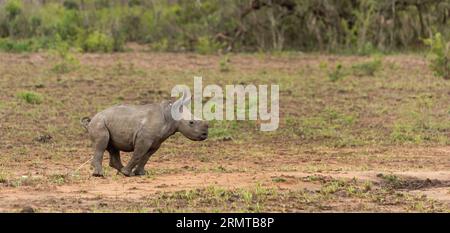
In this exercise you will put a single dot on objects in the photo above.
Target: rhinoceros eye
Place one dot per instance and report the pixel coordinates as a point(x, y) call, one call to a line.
point(191, 122)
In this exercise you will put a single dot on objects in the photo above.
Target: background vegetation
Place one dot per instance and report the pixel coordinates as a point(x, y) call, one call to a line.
point(219, 25)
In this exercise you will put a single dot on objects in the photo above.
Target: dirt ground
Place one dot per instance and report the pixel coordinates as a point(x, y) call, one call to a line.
point(359, 144)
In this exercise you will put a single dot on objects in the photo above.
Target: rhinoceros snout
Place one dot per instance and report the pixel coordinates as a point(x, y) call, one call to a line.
point(203, 136)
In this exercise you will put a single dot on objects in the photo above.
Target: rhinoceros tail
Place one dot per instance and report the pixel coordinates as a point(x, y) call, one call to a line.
point(85, 122)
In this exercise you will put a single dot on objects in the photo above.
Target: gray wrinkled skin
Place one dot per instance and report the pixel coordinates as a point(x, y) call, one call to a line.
point(137, 128)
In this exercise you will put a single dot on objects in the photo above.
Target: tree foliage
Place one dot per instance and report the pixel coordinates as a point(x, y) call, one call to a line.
point(228, 25)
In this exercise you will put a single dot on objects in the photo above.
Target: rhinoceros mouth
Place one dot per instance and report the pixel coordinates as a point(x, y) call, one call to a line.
point(204, 136)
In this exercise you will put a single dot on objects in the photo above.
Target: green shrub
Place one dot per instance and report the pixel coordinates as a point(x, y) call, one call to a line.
point(132, 3)
point(18, 46)
point(206, 46)
point(68, 26)
point(359, 27)
point(118, 38)
point(30, 97)
point(70, 4)
point(67, 61)
point(161, 45)
point(35, 24)
point(439, 55)
point(13, 8)
point(101, 4)
point(131, 25)
point(336, 74)
point(224, 64)
point(367, 49)
point(367, 68)
point(98, 42)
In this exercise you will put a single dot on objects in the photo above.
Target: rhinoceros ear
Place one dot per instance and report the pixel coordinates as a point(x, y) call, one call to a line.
point(183, 100)
point(186, 98)
point(177, 110)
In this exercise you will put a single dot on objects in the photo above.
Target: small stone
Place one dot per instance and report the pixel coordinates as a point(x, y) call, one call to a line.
point(43, 138)
point(27, 209)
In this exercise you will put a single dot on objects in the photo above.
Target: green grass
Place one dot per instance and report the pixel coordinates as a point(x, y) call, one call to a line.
point(330, 126)
point(20, 46)
point(58, 179)
point(3, 176)
point(239, 200)
point(384, 123)
point(30, 97)
point(278, 179)
point(260, 198)
point(224, 64)
point(417, 125)
point(223, 129)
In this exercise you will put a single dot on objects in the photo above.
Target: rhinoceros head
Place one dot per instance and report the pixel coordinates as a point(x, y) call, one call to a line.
point(190, 126)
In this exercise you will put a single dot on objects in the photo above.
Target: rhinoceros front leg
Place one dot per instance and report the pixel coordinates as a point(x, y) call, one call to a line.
point(140, 151)
point(140, 171)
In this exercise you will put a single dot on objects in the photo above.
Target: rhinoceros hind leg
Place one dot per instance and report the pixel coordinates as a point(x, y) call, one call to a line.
point(100, 138)
point(114, 158)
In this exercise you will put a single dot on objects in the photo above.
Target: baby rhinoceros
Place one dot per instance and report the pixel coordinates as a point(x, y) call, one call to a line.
point(140, 129)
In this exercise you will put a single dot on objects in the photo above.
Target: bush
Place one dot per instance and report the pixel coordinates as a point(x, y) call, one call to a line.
point(207, 46)
point(439, 56)
point(13, 8)
point(224, 64)
point(361, 27)
point(19, 46)
point(118, 38)
point(68, 61)
point(98, 42)
point(367, 68)
point(30, 97)
point(336, 74)
point(367, 49)
point(70, 5)
point(162, 45)
point(132, 3)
